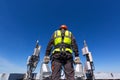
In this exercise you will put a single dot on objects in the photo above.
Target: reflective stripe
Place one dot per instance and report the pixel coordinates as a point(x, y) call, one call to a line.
point(67, 33)
point(58, 33)
point(69, 50)
point(58, 50)
point(57, 37)
point(67, 38)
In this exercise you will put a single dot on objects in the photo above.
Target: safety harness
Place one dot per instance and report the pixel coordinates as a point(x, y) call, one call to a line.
point(62, 41)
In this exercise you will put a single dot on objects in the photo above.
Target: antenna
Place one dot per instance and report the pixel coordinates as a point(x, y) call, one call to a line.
point(85, 44)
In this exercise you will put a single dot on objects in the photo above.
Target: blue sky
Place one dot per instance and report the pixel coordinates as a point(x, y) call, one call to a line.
point(22, 22)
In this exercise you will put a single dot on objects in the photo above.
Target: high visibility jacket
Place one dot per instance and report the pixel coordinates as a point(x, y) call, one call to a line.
point(62, 42)
point(55, 42)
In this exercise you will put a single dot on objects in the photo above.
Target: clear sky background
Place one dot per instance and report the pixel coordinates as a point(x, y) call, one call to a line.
point(22, 22)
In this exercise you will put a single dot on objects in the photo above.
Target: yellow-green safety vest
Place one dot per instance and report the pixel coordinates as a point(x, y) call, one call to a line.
point(58, 40)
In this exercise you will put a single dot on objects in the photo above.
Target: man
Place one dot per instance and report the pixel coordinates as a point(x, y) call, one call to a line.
point(62, 45)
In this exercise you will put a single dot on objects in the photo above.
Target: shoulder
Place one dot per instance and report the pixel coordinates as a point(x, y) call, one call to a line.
point(56, 31)
point(69, 32)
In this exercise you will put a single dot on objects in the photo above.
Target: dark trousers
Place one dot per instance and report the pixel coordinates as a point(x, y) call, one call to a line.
point(57, 65)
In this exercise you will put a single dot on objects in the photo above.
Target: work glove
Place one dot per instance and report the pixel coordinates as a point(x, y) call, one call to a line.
point(46, 59)
point(77, 60)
